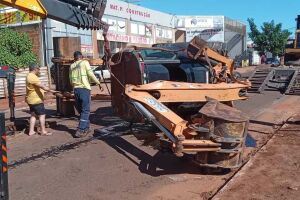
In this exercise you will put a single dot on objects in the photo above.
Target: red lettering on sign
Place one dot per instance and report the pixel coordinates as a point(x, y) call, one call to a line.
point(129, 11)
point(31, 16)
point(9, 17)
point(113, 7)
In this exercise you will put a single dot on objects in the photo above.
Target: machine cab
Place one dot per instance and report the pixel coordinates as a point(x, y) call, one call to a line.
point(145, 65)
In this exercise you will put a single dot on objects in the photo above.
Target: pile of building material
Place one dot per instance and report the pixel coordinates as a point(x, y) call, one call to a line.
point(283, 79)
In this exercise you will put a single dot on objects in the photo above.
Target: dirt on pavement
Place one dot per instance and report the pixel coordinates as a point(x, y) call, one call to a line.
point(119, 166)
point(273, 173)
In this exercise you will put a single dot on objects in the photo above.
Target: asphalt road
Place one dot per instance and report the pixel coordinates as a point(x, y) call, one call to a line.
point(101, 166)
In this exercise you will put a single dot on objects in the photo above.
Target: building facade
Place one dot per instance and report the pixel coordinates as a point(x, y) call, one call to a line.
point(130, 24)
point(135, 25)
point(219, 31)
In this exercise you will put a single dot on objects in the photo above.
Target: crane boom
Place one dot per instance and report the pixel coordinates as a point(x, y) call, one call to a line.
point(86, 14)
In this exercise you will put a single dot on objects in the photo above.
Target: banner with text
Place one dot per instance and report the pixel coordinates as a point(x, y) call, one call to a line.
point(17, 17)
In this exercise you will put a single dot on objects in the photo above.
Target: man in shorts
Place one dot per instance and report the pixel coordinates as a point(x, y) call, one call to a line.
point(35, 99)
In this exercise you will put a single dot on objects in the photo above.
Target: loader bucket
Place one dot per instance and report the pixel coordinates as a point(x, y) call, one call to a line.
point(230, 130)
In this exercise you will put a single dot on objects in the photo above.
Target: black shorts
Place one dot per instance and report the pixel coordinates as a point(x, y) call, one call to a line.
point(38, 109)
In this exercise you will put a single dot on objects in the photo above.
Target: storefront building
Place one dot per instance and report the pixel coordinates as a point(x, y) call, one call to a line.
point(135, 25)
point(130, 24)
point(219, 31)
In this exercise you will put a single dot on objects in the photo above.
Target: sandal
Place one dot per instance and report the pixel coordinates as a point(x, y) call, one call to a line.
point(45, 134)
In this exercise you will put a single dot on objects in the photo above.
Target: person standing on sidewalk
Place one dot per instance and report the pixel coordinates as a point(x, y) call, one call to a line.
point(80, 74)
point(35, 99)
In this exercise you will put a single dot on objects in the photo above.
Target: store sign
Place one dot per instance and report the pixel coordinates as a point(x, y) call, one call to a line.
point(86, 49)
point(17, 17)
point(132, 11)
point(124, 10)
point(208, 28)
point(209, 35)
point(118, 37)
point(140, 40)
point(203, 22)
point(114, 37)
point(125, 38)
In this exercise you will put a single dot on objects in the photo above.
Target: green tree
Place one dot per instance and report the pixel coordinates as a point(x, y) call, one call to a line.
point(15, 49)
point(271, 38)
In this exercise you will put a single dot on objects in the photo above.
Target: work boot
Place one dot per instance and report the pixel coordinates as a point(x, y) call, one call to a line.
point(81, 133)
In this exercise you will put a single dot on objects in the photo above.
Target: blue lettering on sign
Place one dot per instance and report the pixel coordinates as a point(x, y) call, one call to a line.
point(156, 105)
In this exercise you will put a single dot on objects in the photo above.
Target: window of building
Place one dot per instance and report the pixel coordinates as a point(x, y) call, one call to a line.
point(114, 46)
point(139, 29)
point(164, 33)
point(101, 47)
point(142, 30)
point(112, 25)
point(169, 34)
point(298, 40)
point(159, 32)
point(121, 26)
point(149, 29)
point(116, 24)
point(104, 19)
point(134, 28)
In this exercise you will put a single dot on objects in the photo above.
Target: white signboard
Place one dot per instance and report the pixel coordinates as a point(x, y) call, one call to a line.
point(205, 22)
point(200, 21)
point(133, 12)
point(207, 34)
point(114, 37)
point(208, 28)
point(141, 40)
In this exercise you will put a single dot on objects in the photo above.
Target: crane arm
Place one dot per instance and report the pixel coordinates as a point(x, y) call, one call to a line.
point(86, 14)
point(198, 49)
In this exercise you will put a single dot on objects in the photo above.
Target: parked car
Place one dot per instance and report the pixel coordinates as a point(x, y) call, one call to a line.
point(101, 73)
point(274, 62)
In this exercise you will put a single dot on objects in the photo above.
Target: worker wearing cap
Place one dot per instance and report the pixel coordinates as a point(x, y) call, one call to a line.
point(80, 74)
point(35, 99)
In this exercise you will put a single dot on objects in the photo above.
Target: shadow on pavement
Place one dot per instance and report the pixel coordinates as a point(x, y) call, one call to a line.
point(104, 117)
point(162, 163)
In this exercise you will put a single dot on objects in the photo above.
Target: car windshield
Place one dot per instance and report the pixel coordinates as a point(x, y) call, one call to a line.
point(272, 60)
point(182, 72)
point(151, 54)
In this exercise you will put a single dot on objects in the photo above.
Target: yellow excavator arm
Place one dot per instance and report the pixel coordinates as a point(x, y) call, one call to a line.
point(30, 6)
point(222, 68)
point(84, 14)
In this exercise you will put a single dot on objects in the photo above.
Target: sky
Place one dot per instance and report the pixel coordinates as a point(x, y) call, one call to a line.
point(281, 11)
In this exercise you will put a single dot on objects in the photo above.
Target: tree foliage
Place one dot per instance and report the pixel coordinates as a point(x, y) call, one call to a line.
point(15, 49)
point(271, 38)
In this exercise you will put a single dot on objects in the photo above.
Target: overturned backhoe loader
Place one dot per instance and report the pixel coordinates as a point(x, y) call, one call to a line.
point(186, 90)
